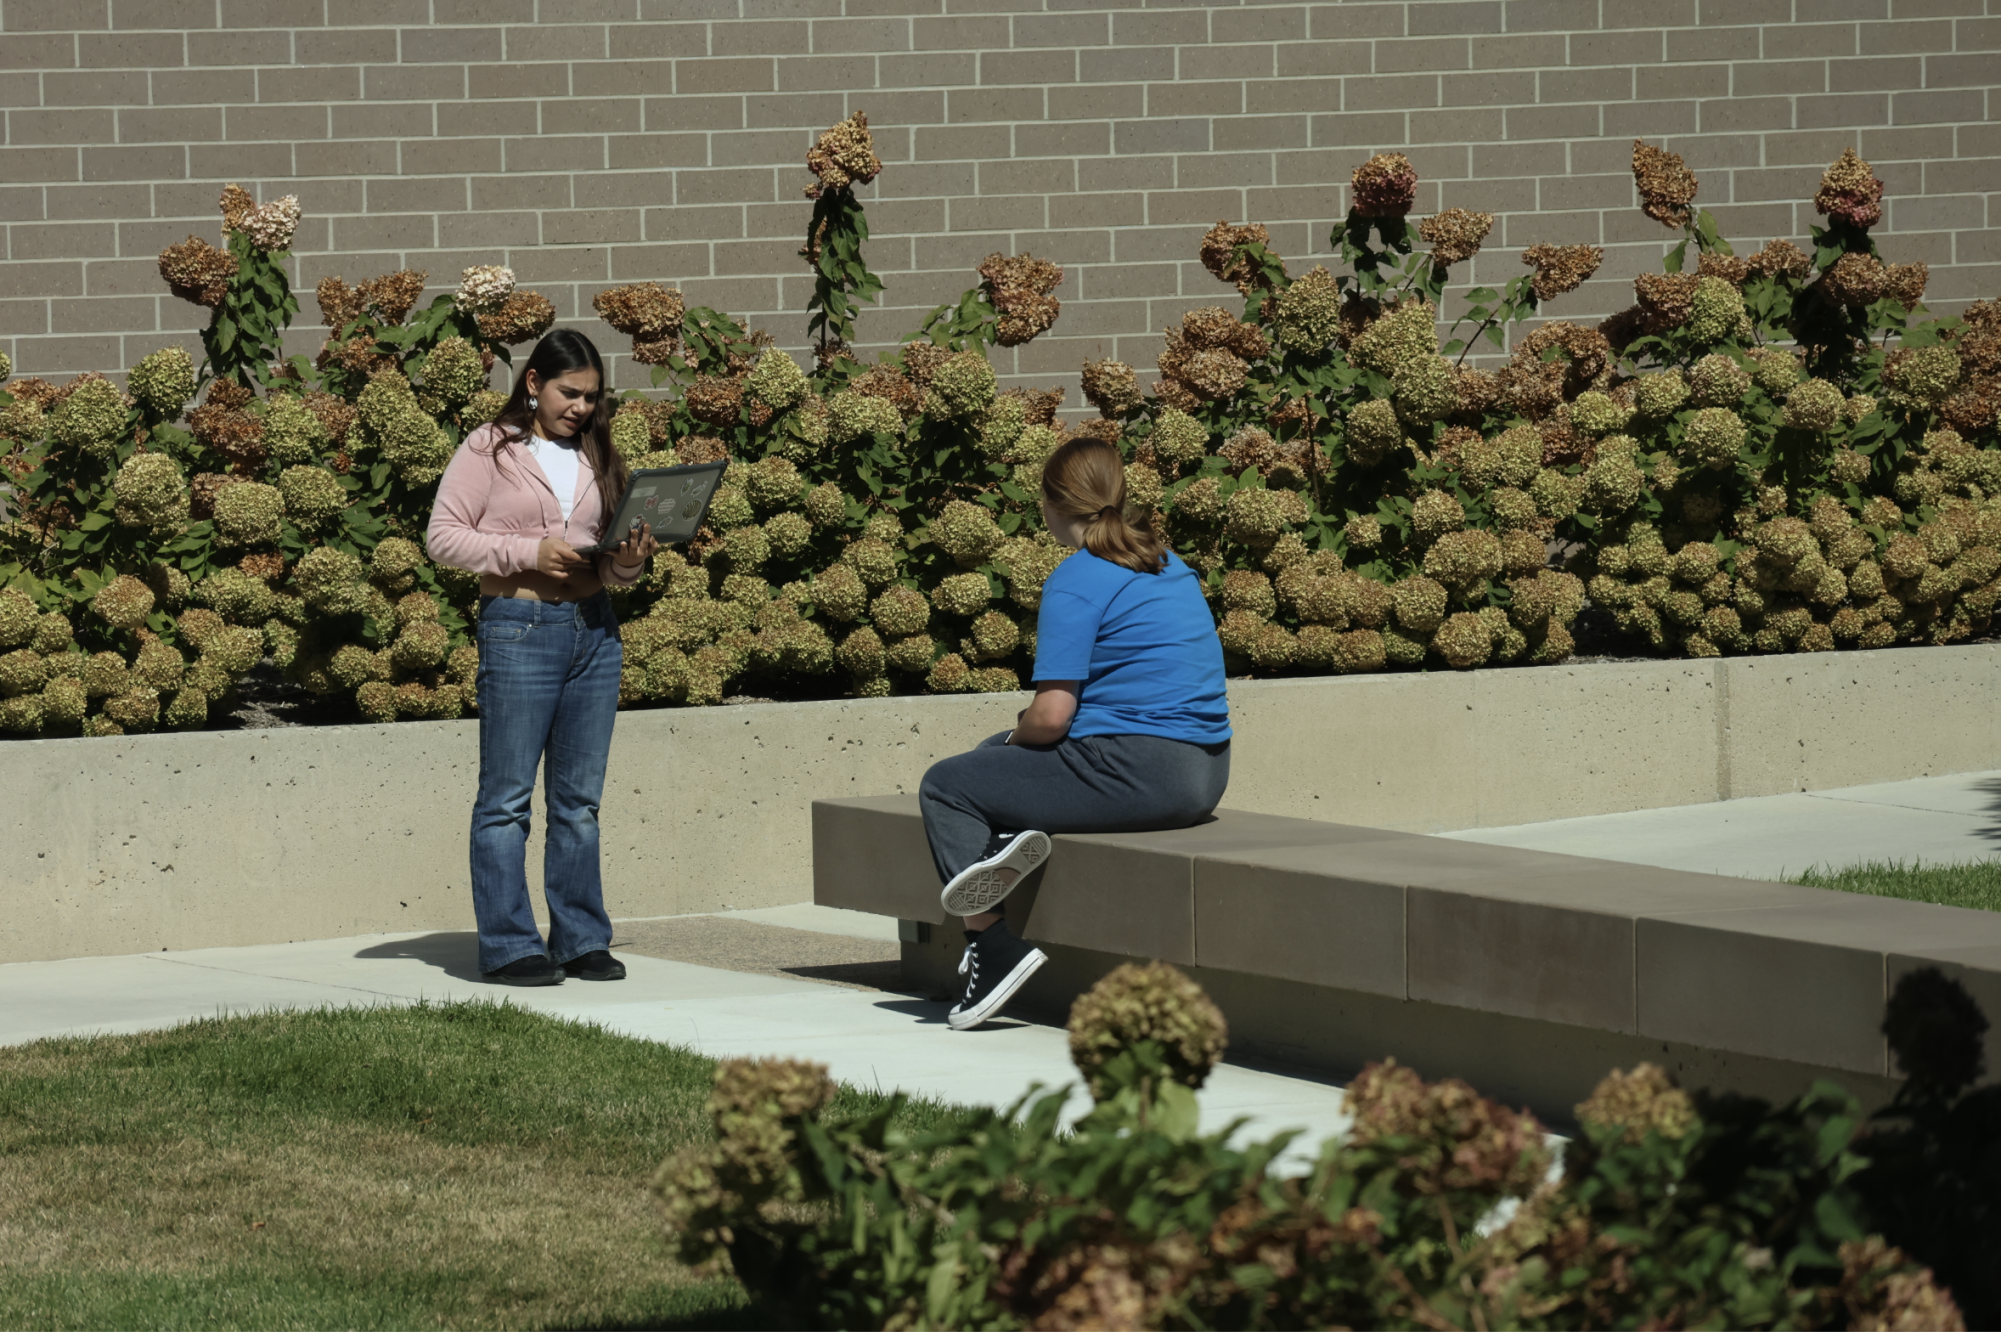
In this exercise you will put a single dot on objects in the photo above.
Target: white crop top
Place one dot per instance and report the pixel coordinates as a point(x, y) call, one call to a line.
point(560, 461)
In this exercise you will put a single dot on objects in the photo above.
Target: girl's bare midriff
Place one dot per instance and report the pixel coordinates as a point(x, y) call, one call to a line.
point(535, 585)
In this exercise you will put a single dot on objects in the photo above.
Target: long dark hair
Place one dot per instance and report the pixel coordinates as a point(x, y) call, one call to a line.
point(559, 352)
point(1085, 479)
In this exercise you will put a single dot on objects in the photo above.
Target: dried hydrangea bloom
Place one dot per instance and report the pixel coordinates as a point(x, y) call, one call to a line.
point(237, 205)
point(1434, 514)
point(843, 156)
point(1150, 1001)
point(453, 371)
point(1363, 532)
point(1726, 266)
point(1448, 1138)
point(1455, 235)
point(1638, 1103)
point(1308, 312)
point(163, 381)
point(1920, 377)
point(1561, 268)
point(1855, 280)
point(777, 381)
point(1019, 289)
point(890, 385)
point(1409, 330)
point(272, 227)
point(716, 401)
point(152, 494)
point(1781, 258)
point(393, 295)
point(1112, 387)
point(1905, 283)
point(1384, 186)
point(1850, 193)
point(962, 387)
point(643, 311)
point(88, 417)
point(1374, 432)
point(196, 271)
point(1715, 310)
point(1667, 298)
point(525, 316)
point(1219, 254)
point(1666, 185)
point(1424, 390)
point(966, 532)
point(340, 304)
point(484, 288)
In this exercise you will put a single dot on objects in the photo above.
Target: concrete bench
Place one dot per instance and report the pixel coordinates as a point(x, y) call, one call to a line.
point(1527, 973)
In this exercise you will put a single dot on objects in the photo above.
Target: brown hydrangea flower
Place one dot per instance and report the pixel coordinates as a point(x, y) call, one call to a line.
point(1561, 268)
point(644, 311)
point(1726, 266)
point(237, 206)
point(700, 449)
point(1105, 429)
point(230, 432)
point(719, 402)
point(1038, 406)
point(1283, 462)
point(357, 355)
point(1479, 390)
point(197, 271)
point(1586, 353)
point(922, 359)
point(893, 387)
point(392, 294)
point(336, 415)
point(1905, 283)
point(526, 316)
point(202, 491)
point(1455, 235)
point(266, 565)
point(1173, 393)
point(1666, 298)
point(1212, 327)
point(1624, 328)
point(1112, 387)
point(1385, 186)
point(1781, 258)
point(1855, 280)
point(1849, 192)
point(843, 157)
point(340, 304)
point(1667, 186)
point(1019, 288)
point(1533, 388)
point(35, 390)
point(1219, 253)
point(1207, 373)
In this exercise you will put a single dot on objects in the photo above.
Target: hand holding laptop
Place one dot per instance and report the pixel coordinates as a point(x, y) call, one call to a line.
point(636, 549)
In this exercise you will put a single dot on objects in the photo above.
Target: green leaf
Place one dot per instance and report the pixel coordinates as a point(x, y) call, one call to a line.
point(1675, 258)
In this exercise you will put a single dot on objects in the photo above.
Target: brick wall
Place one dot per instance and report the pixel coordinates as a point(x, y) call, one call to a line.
point(588, 142)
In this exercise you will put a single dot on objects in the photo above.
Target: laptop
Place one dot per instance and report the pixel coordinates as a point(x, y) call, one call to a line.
point(674, 500)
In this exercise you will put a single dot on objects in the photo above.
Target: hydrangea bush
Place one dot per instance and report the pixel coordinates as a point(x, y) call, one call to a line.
point(1762, 454)
point(1439, 1208)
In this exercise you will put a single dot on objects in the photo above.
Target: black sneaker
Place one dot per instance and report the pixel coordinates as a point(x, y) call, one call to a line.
point(996, 964)
point(595, 966)
point(535, 969)
point(980, 886)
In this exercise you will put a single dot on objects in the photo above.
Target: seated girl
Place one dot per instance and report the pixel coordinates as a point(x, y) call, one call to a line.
point(1129, 730)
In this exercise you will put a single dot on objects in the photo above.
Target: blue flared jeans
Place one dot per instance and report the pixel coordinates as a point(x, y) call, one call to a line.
point(548, 695)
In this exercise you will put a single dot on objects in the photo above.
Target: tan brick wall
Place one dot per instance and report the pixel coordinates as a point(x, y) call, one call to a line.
point(588, 142)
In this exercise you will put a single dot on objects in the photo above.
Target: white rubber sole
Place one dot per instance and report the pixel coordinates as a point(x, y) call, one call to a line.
point(980, 887)
point(964, 1019)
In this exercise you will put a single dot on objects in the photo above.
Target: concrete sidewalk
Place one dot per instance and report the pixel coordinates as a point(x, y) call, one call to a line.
point(869, 1038)
point(1935, 819)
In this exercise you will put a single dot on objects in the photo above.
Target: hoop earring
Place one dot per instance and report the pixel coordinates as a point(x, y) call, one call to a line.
point(532, 401)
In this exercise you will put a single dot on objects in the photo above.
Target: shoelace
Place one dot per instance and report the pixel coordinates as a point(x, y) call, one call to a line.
point(969, 964)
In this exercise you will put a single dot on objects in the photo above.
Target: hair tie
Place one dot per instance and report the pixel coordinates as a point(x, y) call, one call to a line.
point(1109, 511)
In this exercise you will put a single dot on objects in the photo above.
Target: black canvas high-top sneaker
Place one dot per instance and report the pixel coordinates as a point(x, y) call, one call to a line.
point(996, 965)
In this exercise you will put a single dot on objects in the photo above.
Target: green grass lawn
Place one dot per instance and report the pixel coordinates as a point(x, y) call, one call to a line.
point(453, 1165)
point(1971, 884)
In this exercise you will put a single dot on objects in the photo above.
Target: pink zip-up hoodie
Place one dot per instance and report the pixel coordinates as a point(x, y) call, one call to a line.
point(495, 508)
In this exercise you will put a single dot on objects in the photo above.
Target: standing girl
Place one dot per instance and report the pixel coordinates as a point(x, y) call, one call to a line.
point(1129, 730)
point(518, 498)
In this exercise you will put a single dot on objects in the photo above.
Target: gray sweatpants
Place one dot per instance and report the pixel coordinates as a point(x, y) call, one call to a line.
point(1097, 783)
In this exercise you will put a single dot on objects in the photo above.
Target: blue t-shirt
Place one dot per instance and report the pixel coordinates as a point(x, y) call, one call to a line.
point(1144, 646)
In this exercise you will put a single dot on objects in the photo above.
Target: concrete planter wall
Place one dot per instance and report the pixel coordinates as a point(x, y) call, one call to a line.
point(237, 837)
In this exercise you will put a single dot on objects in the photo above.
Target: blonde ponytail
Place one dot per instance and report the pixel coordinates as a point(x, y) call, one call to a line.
point(1085, 480)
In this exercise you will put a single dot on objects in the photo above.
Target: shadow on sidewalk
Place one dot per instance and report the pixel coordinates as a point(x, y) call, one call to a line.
point(456, 953)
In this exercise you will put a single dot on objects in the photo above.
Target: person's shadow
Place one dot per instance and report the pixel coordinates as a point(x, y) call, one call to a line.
point(456, 953)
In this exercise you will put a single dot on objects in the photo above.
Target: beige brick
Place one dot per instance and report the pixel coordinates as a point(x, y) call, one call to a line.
point(1711, 43)
point(63, 240)
point(1228, 62)
point(1503, 87)
point(25, 318)
point(22, 278)
point(275, 123)
point(389, 120)
point(1346, 21)
point(1618, 48)
point(37, 51)
point(1342, 130)
point(1924, 143)
point(258, 161)
point(594, 226)
point(1645, 120)
point(891, 108)
point(23, 203)
point(625, 189)
point(1033, 176)
point(593, 115)
point(1932, 108)
point(86, 203)
point(1677, 81)
point(1766, 78)
point(52, 16)
point(388, 232)
point(1063, 30)
point(1909, 36)
point(576, 152)
point(196, 87)
point(274, 13)
point(94, 88)
point(207, 50)
point(959, 33)
point(766, 111)
point(545, 41)
point(70, 354)
point(693, 223)
point(820, 73)
point(1846, 109)
point(517, 80)
point(335, 83)
point(1208, 171)
point(1194, 99)
point(163, 14)
point(178, 125)
point(1424, 55)
point(661, 41)
point(725, 76)
point(1402, 91)
point(104, 314)
point(520, 191)
point(1822, 11)
point(148, 163)
point(489, 229)
point(870, 36)
point(1527, 51)
point(1260, 133)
